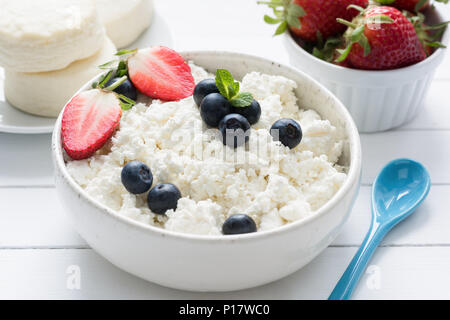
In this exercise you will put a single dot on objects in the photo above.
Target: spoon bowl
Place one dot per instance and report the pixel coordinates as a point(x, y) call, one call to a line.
point(398, 190)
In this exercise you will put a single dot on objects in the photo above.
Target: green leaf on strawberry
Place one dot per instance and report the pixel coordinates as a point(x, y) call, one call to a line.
point(230, 89)
point(429, 36)
point(355, 32)
point(117, 68)
point(124, 52)
point(410, 5)
point(286, 14)
point(325, 50)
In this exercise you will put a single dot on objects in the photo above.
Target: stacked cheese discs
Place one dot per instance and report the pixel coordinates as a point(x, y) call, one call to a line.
point(125, 20)
point(49, 49)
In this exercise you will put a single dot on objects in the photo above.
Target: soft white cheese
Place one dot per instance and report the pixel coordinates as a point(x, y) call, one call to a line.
point(47, 35)
point(46, 93)
point(125, 20)
point(269, 182)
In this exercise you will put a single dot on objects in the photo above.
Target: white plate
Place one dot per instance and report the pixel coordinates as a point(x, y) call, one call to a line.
point(16, 121)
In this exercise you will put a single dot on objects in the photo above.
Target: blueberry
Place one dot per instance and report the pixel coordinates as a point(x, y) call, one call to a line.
point(204, 88)
point(126, 88)
point(163, 197)
point(213, 108)
point(235, 130)
point(252, 112)
point(238, 224)
point(136, 177)
point(288, 132)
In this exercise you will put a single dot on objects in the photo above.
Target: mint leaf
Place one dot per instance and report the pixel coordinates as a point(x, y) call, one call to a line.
point(230, 89)
point(224, 80)
point(242, 100)
point(233, 89)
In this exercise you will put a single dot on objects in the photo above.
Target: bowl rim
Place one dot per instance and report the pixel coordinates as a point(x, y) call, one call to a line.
point(353, 175)
point(437, 54)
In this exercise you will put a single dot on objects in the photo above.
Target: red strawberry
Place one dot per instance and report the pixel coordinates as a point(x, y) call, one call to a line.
point(381, 38)
point(410, 5)
point(88, 121)
point(307, 18)
point(161, 73)
point(429, 36)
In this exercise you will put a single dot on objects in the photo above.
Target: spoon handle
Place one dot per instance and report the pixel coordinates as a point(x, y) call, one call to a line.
point(344, 288)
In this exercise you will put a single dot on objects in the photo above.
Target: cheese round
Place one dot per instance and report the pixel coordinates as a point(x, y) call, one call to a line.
point(46, 93)
point(47, 35)
point(125, 20)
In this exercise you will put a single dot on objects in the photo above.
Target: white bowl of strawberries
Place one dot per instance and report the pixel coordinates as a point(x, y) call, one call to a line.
point(378, 58)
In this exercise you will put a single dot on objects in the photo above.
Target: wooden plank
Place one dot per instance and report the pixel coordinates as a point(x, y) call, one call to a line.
point(395, 273)
point(34, 218)
point(443, 72)
point(429, 225)
point(429, 147)
point(436, 111)
point(25, 160)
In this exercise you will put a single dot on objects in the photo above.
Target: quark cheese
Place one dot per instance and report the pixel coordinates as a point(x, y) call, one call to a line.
point(47, 35)
point(266, 180)
point(125, 20)
point(46, 93)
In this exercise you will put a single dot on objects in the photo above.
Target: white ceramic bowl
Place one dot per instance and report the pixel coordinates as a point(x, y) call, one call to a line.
point(218, 263)
point(377, 100)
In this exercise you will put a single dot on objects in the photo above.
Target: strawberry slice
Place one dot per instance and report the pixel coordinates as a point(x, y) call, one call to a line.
point(161, 73)
point(88, 121)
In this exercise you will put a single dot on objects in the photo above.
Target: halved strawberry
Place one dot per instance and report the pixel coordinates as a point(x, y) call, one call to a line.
point(161, 73)
point(88, 121)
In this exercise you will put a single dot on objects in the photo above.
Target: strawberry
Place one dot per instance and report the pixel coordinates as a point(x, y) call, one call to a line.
point(428, 35)
point(161, 73)
point(410, 5)
point(309, 19)
point(88, 121)
point(381, 38)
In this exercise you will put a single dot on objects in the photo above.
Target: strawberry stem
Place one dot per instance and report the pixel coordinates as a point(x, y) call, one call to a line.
point(347, 23)
point(354, 6)
point(105, 79)
point(344, 53)
point(123, 52)
point(116, 83)
point(286, 14)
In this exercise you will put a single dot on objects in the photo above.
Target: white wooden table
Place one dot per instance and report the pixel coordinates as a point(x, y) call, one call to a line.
point(38, 246)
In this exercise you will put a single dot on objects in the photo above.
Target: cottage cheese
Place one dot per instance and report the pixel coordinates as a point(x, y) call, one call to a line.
point(266, 180)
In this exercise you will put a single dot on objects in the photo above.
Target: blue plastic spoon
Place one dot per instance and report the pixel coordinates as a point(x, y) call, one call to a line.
point(398, 190)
